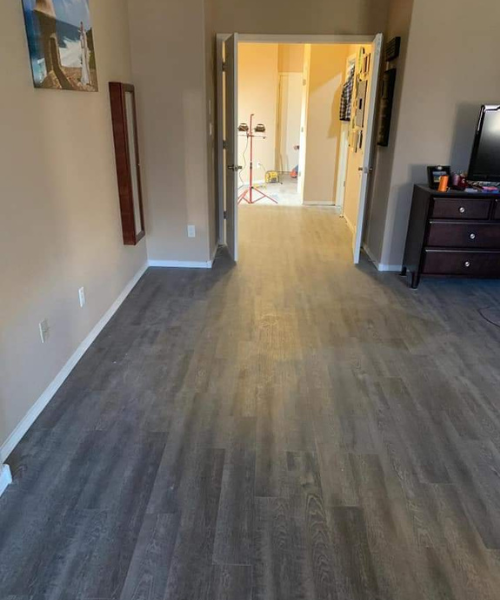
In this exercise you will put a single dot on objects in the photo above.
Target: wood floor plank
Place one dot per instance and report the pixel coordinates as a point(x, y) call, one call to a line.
point(229, 582)
point(313, 566)
point(147, 576)
point(389, 529)
point(271, 476)
point(274, 569)
point(235, 522)
point(191, 565)
point(354, 568)
point(466, 556)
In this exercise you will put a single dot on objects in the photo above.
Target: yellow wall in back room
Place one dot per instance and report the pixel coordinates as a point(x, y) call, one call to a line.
point(257, 93)
point(290, 58)
point(326, 77)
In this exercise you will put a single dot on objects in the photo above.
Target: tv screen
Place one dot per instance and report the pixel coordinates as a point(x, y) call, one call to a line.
point(485, 160)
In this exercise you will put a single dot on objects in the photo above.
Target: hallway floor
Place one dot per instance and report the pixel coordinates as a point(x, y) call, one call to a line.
point(293, 428)
point(285, 193)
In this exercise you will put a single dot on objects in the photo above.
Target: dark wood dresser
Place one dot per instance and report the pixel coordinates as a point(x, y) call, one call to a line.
point(453, 234)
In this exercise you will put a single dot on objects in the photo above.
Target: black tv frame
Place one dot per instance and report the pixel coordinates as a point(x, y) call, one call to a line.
point(486, 178)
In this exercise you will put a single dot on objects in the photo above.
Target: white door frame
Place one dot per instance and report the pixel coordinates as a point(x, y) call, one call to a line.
point(260, 39)
point(301, 175)
point(369, 144)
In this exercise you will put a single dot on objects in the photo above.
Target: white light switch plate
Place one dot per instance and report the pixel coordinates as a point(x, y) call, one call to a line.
point(81, 296)
point(44, 330)
point(191, 231)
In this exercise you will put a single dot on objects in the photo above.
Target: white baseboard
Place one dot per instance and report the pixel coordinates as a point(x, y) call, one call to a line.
point(382, 267)
point(5, 478)
point(34, 412)
point(352, 229)
point(319, 203)
point(214, 254)
point(182, 264)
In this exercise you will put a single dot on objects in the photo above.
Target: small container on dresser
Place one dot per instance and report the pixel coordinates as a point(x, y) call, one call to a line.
point(453, 234)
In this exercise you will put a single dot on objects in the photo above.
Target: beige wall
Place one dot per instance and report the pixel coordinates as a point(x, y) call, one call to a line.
point(290, 58)
point(296, 16)
point(60, 222)
point(398, 25)
point(438, 114)
point(169, 67)
point(258, 93)
point(326, 77)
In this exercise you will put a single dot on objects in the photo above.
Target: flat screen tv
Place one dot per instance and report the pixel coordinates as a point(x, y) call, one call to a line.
point(485, 159)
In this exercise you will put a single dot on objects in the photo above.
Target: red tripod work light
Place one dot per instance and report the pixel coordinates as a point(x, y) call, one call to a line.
point(248, 195)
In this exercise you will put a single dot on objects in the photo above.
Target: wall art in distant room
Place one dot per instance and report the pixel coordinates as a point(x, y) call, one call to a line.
point(61, 44)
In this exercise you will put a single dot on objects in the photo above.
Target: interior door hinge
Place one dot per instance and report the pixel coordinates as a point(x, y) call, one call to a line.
point(224, 145)
point(225, 214)
point(224, 66)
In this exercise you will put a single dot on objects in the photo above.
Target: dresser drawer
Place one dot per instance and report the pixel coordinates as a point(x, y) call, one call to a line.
point(496, 211)
point(467, 263)
point(460, 208)
point(456, 234)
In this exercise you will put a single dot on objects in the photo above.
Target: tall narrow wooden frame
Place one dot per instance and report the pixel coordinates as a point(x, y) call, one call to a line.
point(127, 162)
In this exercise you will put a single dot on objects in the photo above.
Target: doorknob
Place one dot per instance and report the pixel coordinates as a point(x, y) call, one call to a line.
point(234, 167)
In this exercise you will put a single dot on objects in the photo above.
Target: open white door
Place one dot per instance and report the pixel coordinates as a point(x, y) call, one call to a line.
point(369, 142)
point(303, 120)
point(231, 142)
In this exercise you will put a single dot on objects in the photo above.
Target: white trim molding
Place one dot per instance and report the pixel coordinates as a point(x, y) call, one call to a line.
point(322, 204)
point(5, 478)
point(278, 38)
point(34, 412)
point(382, 267)
point(352, 229)
point(182, 264)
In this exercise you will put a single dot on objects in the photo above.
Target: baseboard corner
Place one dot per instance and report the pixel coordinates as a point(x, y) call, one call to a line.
point(351, 227)
point(214, 254)
point(5, 478)
point(382, 267)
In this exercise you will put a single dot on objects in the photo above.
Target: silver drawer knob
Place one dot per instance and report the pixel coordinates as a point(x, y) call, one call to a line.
point(472, 236)
point(462, 210)
point(467, 264)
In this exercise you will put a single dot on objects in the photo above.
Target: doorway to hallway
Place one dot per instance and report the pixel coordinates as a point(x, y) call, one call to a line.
point(291, 88)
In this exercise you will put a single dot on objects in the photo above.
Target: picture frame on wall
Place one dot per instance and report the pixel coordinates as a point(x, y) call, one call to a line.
point(61, 44)
point(359, 118)
point(388, 86)
point(128, 164)
point(367, 64)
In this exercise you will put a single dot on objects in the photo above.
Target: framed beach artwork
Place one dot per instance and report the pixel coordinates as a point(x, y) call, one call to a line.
point(61, 44)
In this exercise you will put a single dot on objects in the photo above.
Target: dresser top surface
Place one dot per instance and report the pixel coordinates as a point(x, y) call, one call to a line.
point(457, 193)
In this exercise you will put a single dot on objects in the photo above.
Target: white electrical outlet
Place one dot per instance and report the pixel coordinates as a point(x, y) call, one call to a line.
point(44, 330)
point(191, 231)
point(81, 296)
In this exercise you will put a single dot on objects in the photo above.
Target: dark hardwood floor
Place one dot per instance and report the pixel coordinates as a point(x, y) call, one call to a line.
point(293, 428)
